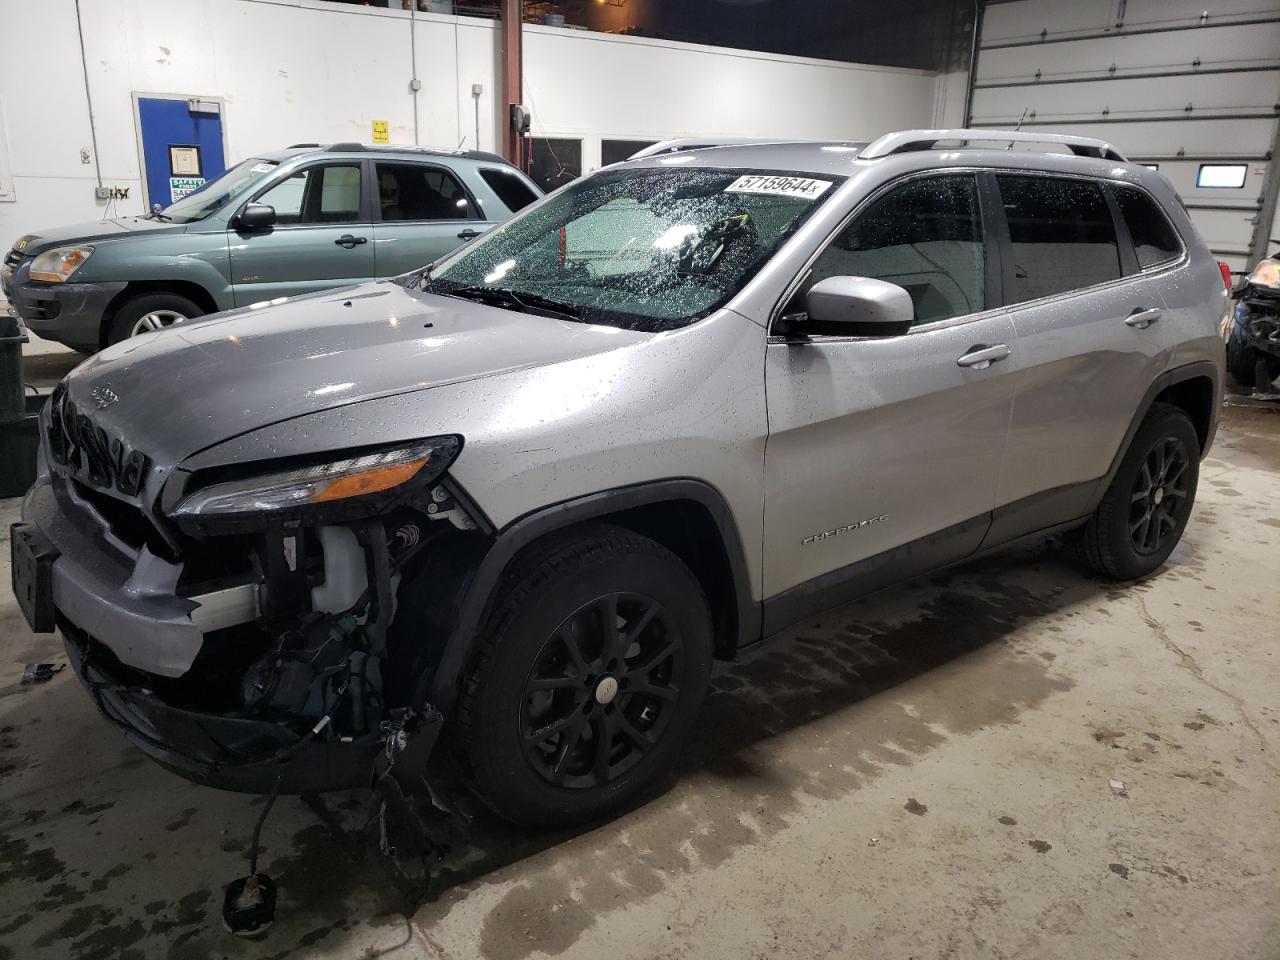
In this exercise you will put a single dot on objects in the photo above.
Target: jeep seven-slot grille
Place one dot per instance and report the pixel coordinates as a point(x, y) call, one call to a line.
point(89, 453)
point(100, 469)
point(12, 259)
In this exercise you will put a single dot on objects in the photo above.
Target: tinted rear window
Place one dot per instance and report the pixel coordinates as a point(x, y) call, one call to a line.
point(1062, 234)
point(1153, 237)
point(511, 190)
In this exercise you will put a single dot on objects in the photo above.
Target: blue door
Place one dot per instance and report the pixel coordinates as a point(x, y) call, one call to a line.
point(181, 146)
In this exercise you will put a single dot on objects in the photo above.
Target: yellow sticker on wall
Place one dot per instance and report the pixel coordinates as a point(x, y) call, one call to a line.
point(381, 133)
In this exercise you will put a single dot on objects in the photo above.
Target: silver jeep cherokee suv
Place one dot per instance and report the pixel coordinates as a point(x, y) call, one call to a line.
point(524, 496)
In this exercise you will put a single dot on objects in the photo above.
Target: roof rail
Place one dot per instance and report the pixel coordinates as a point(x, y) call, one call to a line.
point(298, 146)
point(703, 143)
point(484, 155)
point(906, 141)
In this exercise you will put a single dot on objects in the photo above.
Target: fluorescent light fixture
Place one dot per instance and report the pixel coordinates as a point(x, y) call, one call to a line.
point(1222, 175)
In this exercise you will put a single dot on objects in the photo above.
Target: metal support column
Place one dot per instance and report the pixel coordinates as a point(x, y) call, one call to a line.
point(512, 77)
point(1260, 243)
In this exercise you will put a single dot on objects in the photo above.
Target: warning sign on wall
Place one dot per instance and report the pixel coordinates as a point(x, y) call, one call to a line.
point(381, 132)
point(179, 187)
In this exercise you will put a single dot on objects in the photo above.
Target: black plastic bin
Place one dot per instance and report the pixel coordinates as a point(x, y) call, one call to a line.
point(19, 437)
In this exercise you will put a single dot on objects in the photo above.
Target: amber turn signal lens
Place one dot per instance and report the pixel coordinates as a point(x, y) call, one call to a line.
point(370, 481)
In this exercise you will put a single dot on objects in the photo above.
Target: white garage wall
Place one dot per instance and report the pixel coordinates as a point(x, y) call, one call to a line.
point(587, 84)
point(304, 70)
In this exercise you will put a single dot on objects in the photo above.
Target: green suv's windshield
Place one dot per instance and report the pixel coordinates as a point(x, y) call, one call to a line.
point(642, 249)
point(216, 194)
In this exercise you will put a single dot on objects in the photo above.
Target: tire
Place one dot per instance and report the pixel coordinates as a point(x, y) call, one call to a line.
point(541, 668)
point(1242, 363)
point(1114, 542)
point(158, 307)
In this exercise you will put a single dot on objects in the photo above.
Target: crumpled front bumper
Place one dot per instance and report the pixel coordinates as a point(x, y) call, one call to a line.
point(226, 752)
point(1257, 324)
point(125, 598)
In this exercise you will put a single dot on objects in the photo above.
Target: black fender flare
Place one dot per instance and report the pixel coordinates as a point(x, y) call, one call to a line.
point(1176, 375)
point(440, 688)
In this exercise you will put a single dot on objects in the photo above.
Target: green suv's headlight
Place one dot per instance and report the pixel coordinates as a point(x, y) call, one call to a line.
point(58, 264)
point(327, 484)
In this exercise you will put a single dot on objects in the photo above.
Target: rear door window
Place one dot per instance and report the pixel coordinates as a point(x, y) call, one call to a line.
point(416, 191)
point(926, 236)
point(1062, 235)
point(1154, 239)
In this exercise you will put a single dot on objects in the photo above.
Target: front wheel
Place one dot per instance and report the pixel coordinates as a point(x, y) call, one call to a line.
point(1144, 511)
point(149, 312)
point(592, 667)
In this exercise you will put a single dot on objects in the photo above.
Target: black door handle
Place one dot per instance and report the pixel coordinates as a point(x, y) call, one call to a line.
point(468, 234)
point(348, 241)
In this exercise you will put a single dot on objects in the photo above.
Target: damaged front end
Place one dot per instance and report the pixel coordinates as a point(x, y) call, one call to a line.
point(261, 627)
point(1253, 340)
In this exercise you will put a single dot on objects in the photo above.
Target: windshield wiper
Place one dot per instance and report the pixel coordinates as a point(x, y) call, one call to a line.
point(511, 300)
point(157, 215)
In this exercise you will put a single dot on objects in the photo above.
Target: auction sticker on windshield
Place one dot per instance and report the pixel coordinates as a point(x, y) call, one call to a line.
point(803, 187)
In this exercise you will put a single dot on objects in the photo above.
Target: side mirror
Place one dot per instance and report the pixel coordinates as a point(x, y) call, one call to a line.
point(256, 216)
point(856, 301)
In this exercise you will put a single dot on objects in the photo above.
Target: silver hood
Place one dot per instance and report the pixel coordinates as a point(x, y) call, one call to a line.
point(179, 391)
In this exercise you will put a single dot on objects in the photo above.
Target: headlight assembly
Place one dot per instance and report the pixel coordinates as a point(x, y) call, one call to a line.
point(336, 484)
point(57, 265)
point(1266, 274)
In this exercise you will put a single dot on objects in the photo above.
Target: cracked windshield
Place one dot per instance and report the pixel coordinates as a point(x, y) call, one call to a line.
point(643, 250)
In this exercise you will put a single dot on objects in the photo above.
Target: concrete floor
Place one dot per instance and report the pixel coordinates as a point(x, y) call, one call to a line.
point(921, 774)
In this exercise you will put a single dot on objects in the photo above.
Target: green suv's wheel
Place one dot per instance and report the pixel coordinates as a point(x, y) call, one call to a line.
point(1144, 511)
point(592, 667)
point(148, 312)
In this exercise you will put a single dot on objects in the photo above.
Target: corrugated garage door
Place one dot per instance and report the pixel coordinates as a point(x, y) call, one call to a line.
point(1190, 88)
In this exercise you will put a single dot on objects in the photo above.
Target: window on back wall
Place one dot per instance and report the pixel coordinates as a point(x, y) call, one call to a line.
point(615, 151)
point(1222, 175)
point(554, 162)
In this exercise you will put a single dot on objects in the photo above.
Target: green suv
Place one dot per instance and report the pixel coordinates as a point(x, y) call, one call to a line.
point(280, 224)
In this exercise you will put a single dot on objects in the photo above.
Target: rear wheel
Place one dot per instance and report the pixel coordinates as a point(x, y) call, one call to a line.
point(149, 312)
point(592, 667)
point(1144, 511)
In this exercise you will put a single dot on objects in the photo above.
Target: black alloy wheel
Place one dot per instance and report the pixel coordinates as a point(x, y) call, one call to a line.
point(601, 690)
point(1159, 495)
point(590, 669)
point(1146, 505)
